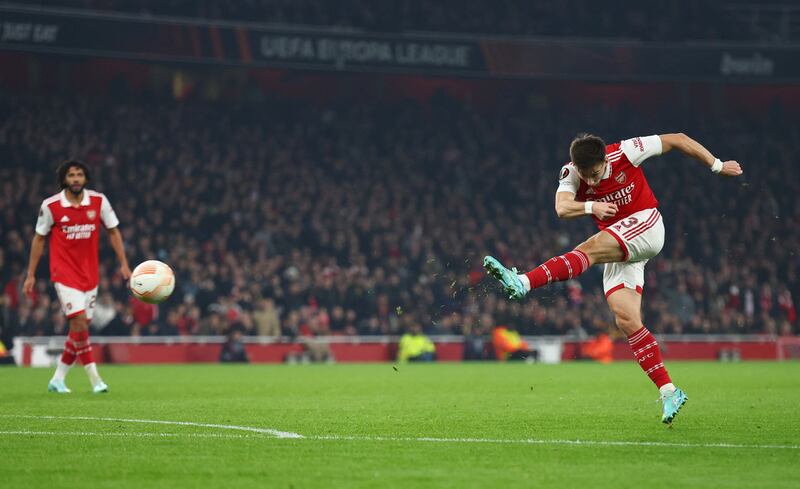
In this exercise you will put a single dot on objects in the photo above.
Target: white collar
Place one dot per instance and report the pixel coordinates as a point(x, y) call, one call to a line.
point(67, 203)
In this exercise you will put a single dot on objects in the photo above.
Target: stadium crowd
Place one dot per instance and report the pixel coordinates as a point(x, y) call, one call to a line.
point(707, 20)
point(292, 219)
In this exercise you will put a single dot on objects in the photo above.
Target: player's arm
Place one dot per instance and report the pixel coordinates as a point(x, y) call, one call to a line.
point(110, 221)
point(37, 249)
point(569, 208)
point(44, 224)
point(692, 148)
point(115, 237)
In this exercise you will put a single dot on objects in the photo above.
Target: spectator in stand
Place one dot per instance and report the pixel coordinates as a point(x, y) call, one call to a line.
point(414, 346)
point(508, 345)
point(104, 312)
point(476, 339)
point(266, 319)
point(600, 348)
point(144, 318)
point(5, 357)
point(233, 350)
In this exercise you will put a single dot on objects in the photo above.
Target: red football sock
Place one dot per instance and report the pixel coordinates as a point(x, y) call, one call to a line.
point(645, 349)
point(68, 356)
point(83, 348)
point(564, 267)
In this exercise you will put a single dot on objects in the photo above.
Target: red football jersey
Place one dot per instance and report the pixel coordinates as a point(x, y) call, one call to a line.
point(623, 183)
point(74, 236)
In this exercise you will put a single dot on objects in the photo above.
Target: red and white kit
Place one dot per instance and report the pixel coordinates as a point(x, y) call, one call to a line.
point(74, 240)
point(637, 226)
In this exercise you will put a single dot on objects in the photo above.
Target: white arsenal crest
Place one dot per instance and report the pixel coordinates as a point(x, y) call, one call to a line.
point(620, 178)
point(91, 214)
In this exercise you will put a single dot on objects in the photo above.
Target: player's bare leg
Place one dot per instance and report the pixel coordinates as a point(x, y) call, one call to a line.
point(626, 304)
point(601, 248)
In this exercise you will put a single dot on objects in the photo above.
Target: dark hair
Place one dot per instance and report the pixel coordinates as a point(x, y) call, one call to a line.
point(64, 167)
point(587, 150)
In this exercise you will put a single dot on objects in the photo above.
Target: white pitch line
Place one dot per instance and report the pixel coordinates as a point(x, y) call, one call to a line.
point(263, 431)
point(289, 435)
point(531, 441)
point(119, 434)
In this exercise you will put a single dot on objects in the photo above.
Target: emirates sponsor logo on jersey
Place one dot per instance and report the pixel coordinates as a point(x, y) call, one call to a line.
point(621, 178)
point(620, 197)
point(78, 231)
point(91, 214)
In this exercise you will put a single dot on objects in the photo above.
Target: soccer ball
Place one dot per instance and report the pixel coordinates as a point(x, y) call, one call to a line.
point(152, 281)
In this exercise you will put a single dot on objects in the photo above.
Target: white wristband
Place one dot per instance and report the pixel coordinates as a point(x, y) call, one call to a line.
point(587, 207)
point(717, 166)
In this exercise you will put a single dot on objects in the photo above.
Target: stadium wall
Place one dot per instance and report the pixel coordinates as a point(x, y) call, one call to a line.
point(43, 351)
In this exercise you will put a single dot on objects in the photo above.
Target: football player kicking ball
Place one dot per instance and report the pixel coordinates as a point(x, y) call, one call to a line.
point(606, 182)
point(72, 219)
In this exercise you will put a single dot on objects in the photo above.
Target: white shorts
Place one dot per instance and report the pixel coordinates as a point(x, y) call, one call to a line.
point(641, 236)
point(74, 301)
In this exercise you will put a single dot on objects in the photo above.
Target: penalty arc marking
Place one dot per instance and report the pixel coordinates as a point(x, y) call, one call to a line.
point(259, 432)
point(123, 434)
point(262, 431)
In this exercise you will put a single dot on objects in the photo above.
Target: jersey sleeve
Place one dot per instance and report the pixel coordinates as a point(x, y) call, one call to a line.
point(568, 180)
point(639, 149)
point(107, 214)
point(45, 221)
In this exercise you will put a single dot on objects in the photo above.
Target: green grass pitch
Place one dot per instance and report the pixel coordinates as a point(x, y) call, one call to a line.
point(437, 425)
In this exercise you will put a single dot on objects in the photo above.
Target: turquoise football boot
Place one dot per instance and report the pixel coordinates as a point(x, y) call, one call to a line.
point(58, 386)
point(511, 282)
point(671, 404)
